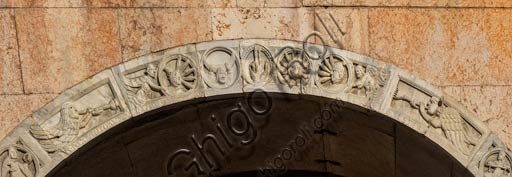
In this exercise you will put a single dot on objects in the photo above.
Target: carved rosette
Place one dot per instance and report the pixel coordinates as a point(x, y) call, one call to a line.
point(496, 163)
point(18, 161)
point(335, 74)
point(177, 75)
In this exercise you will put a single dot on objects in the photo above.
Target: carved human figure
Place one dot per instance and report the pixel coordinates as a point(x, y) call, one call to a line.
point(15, 165)
point(145, 87)
point(68, 128)
point(499, 167)
point(445, 118)
point(292, 69)
point(369, 79)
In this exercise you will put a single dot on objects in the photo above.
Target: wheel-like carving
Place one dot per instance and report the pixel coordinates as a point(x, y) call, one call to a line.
point(178, 74)
point(335, 73)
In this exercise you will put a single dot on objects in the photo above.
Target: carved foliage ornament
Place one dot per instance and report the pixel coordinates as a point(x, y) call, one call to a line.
point(257, 65)
point(18, 161)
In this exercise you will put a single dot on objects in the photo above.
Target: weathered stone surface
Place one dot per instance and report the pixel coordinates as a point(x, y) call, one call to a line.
point(147, 30)
point(352, 32)
point(283, 3)
point(250, 3)
point(13, 113)
point(60, 47)
point(492, 106)
point(278, 23)
point(317, 2)
point(453, 91)
point(10, 72)
point(445, 47)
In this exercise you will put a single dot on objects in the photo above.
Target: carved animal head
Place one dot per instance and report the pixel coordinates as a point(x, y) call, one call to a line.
point(69, 111)
point(222, 73)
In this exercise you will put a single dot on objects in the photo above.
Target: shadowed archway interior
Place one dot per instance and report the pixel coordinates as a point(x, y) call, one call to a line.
point(265, 135)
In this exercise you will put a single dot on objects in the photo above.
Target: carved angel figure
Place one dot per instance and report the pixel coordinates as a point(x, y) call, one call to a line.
point(446, 118)
point(68, 128)
point(145, 87)
point(16, 166)
point(369, 79)
point(291, 69)
point(182, 76)
point(222, 72)
point(331, 71)
point(500, 167)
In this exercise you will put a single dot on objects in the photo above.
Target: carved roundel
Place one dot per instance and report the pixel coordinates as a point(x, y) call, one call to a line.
point(178, 74)
point(18, 161)
point(221, 68)
point(334, 73)
point(496, 163)
point(257, 65)
point(293, 67)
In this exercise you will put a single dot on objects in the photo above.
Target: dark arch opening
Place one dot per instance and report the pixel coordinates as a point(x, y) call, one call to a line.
point(243, 134)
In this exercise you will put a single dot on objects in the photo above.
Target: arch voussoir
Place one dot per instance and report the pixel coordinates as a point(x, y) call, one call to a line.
point(216, 68)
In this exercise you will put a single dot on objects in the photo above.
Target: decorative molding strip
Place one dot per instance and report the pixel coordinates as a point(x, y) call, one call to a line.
point(207, 69)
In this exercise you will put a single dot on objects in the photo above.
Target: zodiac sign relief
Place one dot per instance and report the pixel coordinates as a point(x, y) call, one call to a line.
point(368, 80)
point(445, 118)
point(334, 71)
point(221, 68)
point(71, 125)
point(145, 87)
point(496, 163)
point(177, 75)
point(17, 163)
point(292, 68)
point(258, 66)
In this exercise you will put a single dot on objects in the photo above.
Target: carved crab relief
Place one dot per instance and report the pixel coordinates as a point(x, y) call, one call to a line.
point(496, 163)
point(221, 68)
point(73, 121)
point(368, 80)
point(257, 65)
point(18, 161)
point(292, 68)
point(334, 73)
point(447, 121)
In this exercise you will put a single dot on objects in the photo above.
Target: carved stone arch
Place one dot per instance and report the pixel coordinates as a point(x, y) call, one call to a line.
point(209, 69)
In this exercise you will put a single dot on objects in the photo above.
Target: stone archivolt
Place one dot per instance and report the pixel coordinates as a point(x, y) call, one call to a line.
point(222, 67)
